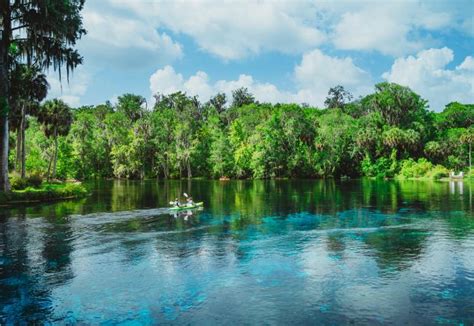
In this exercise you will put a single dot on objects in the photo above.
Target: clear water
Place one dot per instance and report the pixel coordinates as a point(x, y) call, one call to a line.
point(260, 252)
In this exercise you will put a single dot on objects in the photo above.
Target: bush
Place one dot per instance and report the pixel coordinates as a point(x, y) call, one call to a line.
point(412, 169)
point(45, 193)
point(18, 183)
point(422, 169)
point(35, 180)
point(383, 167)
point(438, 172)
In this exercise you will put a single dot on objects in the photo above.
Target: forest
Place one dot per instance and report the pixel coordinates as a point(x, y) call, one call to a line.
point(389, 133)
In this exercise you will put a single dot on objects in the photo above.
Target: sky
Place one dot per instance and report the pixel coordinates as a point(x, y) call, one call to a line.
point(282, 51)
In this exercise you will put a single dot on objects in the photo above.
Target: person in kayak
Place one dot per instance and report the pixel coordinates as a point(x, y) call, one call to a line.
point(190, 201)
point(176, 203)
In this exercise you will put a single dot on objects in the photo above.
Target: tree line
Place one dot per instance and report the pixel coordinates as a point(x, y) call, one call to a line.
point(180, 137)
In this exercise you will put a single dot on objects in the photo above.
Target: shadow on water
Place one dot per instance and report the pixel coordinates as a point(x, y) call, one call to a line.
point(34, 259)
point(284, 237)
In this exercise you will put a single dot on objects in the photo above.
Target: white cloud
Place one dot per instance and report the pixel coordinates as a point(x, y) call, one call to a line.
point(237, 29)
point(71, 92)
point(166, 81)
point(396, 27)
point(318, 72)
point(467, 64)
point(233, 30)
point(313, 77)
point(124, 41)
point(426, 74)
point(388, 28)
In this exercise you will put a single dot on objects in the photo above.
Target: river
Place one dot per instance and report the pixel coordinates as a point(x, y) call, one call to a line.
point(259, 252)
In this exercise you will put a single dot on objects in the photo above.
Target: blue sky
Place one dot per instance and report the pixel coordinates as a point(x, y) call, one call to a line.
point(282, 51)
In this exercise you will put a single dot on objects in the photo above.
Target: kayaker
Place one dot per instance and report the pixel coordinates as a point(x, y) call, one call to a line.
point(190, 201)
point(176, 203)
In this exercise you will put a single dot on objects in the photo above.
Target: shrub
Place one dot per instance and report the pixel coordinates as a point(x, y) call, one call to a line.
point(412, 169)
point(45, 193)
point(18, 183)
point(438, 172)
point(35, 180)
point(383, 167)
point(422, 169)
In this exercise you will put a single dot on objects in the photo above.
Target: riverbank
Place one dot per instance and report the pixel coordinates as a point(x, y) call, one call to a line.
point(44, 193)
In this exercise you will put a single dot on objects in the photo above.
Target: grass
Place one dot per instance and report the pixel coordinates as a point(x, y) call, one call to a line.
point(46, 192)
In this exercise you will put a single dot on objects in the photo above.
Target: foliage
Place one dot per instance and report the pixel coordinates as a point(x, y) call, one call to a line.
point(35, 180)
point(241, 97)
point(398, 105)
point(46, 192)
point(40, 32)
point(19, 183)
point(337, 97)
point(383, 135)
point(438, 172)
point(383, 167)
point(422, 169)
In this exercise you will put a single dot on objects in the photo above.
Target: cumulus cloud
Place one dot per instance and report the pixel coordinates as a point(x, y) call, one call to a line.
point(426, 74)
point(233, 30)
point(123, 41)
point(140, 35)
point(72, 91)
point(313, 77)
point(318, 72)
point(388, 28)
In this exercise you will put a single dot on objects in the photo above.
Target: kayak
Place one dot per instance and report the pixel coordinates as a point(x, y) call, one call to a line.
point(185, 207)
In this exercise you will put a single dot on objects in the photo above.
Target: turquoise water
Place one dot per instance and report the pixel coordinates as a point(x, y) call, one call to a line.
point(260, 252)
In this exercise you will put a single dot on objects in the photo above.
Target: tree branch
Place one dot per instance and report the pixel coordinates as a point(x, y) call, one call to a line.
point(20, 27)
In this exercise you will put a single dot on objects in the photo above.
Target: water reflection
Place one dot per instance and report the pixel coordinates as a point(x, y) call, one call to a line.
point(34, 259)
point(286, 251)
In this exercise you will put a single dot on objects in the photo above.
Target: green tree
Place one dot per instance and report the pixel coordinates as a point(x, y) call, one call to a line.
point(56, 117)
point(457, 115)
point(218, 102)
point(241, 97)
point(131, 106)
point(40, 32)
point(398, 105)
point(404, 141)
point(163, 139)
point(335, 146)
point(468, 138)
point(338, 97)
point(28, 88)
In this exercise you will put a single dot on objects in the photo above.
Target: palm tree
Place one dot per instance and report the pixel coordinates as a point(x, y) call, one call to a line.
point(28, 88)
point(56, 117)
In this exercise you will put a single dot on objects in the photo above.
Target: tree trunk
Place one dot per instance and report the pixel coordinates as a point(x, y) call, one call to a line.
point(48, 174)
point(23, 148)
point(55, 154)
point(470, 162)
point(18, 150)
point(4, 93)
point(190, 175)
point(166, 170)
point(4, 182)
point(21, 142)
